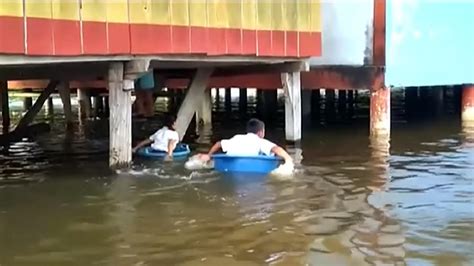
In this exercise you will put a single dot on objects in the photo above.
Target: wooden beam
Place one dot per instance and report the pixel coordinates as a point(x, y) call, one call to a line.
point(34, 110)
point(193, 98)
point(120, 129)
point(5, 106)
point(289, 67)
point(292, 87)
point(30, 115)
point(82, 71)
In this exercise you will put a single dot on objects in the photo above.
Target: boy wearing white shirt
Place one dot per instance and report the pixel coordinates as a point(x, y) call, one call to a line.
point(165, 139)
point(250, 144)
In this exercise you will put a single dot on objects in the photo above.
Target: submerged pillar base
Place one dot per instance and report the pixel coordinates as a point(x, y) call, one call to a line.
point(380, 112)
point(120, 129)
point(467, 103)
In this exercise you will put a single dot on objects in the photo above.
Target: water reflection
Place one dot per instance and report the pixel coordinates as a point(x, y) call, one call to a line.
point(352, 201)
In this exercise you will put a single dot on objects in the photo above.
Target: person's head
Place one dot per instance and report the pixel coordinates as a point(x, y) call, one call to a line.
point(170, 121)
point(256, 126)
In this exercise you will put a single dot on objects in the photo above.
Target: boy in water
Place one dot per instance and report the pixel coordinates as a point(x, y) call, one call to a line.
point(165, 139)
point(250, 144)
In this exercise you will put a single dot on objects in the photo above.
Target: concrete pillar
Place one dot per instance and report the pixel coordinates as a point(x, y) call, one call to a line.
point(120, 129)
point(380, 112)
point(85, 104)
point(204, 111)
point(5, 106)
point(191, 102)
point(65, 94)
point(292, 87)
point(467, 103)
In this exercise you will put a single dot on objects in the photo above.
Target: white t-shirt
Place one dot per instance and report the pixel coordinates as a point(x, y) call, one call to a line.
point(247, 145)
point(162, 137)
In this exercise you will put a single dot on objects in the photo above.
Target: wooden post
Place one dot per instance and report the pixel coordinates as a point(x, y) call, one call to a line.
point(106, 105)
point(341, 102)
point(380, 112)
point(438, 99)
point(204, 112)
point(98, 105)
point(194, 96)
point(218, 98)
point(329, 101)
point(50, 107)
point(120, 129)
point(292, 87)
point(315, 102)
point(5, 106)
point(228, 100)
point(85, 104)
point(350, 103)
point(27, 101)
point(243, 100)
point(65, 94)
point(306, 100)
point(467, 105)
point(30, 115)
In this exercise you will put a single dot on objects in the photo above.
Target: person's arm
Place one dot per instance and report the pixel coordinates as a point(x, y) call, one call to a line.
point(171, 146)
point(215, 148)
point(141, 144)
point(280, 152)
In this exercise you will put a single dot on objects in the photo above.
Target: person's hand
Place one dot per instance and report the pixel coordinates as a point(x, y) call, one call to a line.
point(289, 163)
point(204, 157)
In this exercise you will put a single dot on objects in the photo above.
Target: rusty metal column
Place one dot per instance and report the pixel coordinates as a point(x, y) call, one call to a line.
point(467, 103)
point(380, 112)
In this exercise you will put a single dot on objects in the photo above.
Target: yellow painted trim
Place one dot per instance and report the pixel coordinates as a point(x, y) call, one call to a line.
point(93, 10)
point(198, 14)
point(287, 15)
point(249, 14)
point(39, 9)
point(117, 11)
point(66, 10)
point(180, 13)
point(264, 15)
point(12, 8)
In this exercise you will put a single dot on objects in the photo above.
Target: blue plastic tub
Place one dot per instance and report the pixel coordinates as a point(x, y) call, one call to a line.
point(181, 150)
point(245, 164)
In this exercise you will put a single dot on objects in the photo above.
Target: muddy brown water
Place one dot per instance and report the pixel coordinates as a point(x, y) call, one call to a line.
point(353, 201)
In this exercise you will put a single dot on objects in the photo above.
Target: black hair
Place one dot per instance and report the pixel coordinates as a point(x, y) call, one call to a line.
point(254, 126)
point(169, 121)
